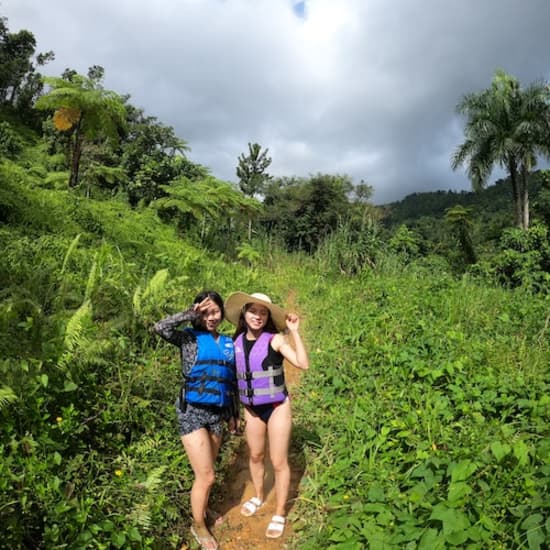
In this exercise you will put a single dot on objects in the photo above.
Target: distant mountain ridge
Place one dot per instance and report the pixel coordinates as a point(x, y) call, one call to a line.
point(496, 198)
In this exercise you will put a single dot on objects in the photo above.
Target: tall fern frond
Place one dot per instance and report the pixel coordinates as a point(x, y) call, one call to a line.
point(156, 284)
point(70, 251)
point(153, 288)
point(74, 331)
point(146, 446)
point(136, 299)
point(7, 396)
point(154, 479)
point(141, 516)
point(92, 280)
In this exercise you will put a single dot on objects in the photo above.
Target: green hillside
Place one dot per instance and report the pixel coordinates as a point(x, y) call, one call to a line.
point(423, 420)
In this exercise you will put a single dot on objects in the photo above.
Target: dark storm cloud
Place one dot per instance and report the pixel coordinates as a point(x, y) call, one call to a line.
point(366, 88)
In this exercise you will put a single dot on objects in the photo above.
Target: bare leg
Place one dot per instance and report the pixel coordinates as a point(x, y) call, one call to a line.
point(201, 448)
point(255, 438)
point(279, 427)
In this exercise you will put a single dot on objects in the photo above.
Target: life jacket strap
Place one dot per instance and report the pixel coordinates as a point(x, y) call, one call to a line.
point(221, 362)
point(254, 375)
point(262, 391)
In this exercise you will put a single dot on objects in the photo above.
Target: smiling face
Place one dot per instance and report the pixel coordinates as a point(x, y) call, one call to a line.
point(211, 318)
point(256, 317)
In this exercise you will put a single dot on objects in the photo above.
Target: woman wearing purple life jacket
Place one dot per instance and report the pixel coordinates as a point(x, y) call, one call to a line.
point(260, 348)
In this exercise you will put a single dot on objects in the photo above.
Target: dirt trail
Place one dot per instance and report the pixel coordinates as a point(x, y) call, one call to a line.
point(248, 533)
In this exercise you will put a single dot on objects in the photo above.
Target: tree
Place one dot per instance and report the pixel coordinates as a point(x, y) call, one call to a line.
point(305, 211)
point(458, 219)
point(252, 175)
point(508, 126)
point(405, 242)
point(153, 156)
point(251, 170)
point(20, 84)
point(84, 110)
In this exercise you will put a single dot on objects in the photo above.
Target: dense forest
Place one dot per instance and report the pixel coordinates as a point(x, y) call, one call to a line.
point(423, 421)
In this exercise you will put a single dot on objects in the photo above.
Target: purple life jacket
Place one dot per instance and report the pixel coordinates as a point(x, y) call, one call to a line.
point(255, 377)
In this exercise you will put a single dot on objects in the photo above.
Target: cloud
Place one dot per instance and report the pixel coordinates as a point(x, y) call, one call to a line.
point(366, 88)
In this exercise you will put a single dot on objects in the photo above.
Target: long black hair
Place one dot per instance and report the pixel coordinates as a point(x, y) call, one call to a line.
point(215, 297)
point(241, 324)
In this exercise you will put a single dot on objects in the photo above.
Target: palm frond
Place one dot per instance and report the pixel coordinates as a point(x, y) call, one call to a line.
point(7, 396)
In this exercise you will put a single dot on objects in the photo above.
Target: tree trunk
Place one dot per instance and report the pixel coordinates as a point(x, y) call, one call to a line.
point(518, 210)
point(525, 199)
point(75, 160)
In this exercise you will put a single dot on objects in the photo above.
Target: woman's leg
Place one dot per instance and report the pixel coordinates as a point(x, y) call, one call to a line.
point(279, 427)
point(255, 438)
point(201, 447)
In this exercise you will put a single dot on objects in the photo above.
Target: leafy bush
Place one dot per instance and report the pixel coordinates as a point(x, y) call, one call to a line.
point(10, 143)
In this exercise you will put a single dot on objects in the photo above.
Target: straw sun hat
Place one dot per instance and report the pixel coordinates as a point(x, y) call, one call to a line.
point(236, 301)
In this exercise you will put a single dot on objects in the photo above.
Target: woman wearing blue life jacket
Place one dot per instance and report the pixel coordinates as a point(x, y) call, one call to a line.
point(260, 348)
point(207, 397)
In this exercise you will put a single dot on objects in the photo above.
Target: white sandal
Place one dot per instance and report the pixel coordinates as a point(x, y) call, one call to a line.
point(251, 506)
point(276, 527)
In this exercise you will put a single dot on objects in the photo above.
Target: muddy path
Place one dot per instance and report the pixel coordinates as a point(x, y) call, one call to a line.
point(248, 533)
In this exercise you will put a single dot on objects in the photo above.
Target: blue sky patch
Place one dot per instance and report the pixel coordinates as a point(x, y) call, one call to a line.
point(299, 7)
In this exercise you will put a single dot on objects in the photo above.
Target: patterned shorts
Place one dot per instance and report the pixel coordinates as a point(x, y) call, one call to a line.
point(195, 417)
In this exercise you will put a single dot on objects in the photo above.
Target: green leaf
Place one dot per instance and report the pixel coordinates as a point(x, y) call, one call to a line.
point(118, 539)
point(452, 520)
point(521, 452)
point(44, 380)
point(457, 491)
point(431, 540)
point(500, 450)
point(134, 534)
point(462, 470)
point(69, 386)
point(533, 525)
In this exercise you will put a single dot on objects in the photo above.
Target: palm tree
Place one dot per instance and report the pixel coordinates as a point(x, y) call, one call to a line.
point(508, 126)
point(83, 108)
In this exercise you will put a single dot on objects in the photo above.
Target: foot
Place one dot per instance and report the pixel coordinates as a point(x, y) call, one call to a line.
point(251, 506)
point(203, 537)
point(211, 517)
point(276, 527)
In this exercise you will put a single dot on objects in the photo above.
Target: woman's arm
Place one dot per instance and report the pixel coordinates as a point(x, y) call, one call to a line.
point(297, 355)
point(167, 328)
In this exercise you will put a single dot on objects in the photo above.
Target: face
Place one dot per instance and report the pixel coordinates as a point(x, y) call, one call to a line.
point(256, 316)
point(212, 317)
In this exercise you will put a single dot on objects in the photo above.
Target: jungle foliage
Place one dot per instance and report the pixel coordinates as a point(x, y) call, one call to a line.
point(423, 421)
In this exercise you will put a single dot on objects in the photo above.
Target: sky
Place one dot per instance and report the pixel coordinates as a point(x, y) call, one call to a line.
point(363, 88)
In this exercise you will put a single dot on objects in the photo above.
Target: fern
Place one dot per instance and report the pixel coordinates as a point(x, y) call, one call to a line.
point(92, 280)
point(154, 479)
point(70, 251)
point(156, 284)
point(153, 288)
point(141, 516)
point(7, 396)
point(75, 338)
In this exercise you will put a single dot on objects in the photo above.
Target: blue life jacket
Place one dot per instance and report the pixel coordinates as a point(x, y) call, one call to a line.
point(259, 381)
point(211, 379)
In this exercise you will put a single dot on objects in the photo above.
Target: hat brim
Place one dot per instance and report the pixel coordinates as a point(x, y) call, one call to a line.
point(236, 301)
